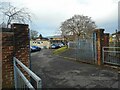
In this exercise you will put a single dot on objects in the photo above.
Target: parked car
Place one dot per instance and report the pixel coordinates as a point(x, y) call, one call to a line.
point(35, 48)
point(55, 46)
point(61, 44)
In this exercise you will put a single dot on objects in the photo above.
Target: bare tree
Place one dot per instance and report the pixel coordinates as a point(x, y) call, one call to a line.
point(79, 25)
point(13, 14)
point(33, 34)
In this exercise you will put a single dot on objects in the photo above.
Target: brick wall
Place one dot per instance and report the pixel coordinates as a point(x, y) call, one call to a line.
point(21, 42)
point(0, 59)
point(7, 54)
point(99, 44)
point(106, 39)
point(15, 42)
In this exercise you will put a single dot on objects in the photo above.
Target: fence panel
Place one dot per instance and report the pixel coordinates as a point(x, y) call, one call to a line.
point(85, 49)
point(111, 55)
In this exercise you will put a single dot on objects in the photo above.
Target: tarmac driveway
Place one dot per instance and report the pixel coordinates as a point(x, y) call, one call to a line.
point(58, 72)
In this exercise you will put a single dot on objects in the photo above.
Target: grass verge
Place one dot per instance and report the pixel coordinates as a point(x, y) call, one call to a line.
point(60, 50)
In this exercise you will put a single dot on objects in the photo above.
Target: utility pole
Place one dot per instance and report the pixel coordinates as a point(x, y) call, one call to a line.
point(119, 16)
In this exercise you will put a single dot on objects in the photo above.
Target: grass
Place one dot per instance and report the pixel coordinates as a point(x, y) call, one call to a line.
point(60, 50)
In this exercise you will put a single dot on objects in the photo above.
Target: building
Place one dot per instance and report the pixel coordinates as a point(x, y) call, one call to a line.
point(46, 43)
point(115, 39)
point(42, 43)
point(56, 39)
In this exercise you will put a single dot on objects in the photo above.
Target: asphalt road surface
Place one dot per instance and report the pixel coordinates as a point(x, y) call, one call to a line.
point(58, 72)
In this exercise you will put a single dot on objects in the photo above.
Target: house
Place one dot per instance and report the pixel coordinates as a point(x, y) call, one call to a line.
point(116, 36)
point(46, 43)
point(42, 43)
point(115, 39)
point(57, 39)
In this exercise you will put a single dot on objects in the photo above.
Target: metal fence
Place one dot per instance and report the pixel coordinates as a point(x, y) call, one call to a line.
point(21, 82)
point(85, 49)
point(111, 55)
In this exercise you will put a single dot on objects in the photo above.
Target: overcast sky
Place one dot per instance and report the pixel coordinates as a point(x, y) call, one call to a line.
point(47, 15)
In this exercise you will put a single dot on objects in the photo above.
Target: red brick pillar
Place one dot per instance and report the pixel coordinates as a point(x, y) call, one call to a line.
point(13, 42)
point(7, 57)
point(21, 42)
point(0, 58)
point(99, 44)
point(106, 39)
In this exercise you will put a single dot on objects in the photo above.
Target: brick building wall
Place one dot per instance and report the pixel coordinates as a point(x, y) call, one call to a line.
point(14, 42)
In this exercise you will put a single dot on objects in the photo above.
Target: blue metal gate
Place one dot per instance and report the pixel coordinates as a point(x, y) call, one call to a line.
point(21, 82)
point(111, 55)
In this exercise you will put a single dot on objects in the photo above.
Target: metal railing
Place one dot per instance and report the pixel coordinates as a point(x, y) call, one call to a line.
point(111, 55)
point(84, 50)
point(21, 81)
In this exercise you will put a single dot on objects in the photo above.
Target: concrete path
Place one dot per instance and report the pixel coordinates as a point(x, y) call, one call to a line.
point(58, 72)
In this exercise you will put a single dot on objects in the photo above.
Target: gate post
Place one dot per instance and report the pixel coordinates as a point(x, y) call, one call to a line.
point(99, 44)
point(106, 39)
point(0, 59)
point(21, 42)
point(6, 54)
point(14, 41)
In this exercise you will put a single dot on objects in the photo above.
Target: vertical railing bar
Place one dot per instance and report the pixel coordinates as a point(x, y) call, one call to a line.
point(15, 76)
point(103, 53)
point(25, 80)
point(39, 83)
point(23, 84)
point(18, 81)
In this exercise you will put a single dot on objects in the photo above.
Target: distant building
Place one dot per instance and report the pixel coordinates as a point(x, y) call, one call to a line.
point(115, 39)
point(42, 43)
point(117, 35)
point(57, 39)
point(46, 43)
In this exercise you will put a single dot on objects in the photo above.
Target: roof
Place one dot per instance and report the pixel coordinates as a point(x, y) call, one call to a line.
point(43, 39)
point(116, 33)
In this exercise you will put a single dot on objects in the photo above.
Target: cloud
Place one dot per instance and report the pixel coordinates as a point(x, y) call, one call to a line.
point(58, 10)
point(50, 13)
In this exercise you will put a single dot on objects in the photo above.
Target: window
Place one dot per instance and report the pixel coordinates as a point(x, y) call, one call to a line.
point(38, 42)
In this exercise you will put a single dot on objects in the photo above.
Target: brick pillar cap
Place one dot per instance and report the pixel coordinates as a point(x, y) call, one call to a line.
point(99, 30)
point(19, 24)
point(107, 33)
